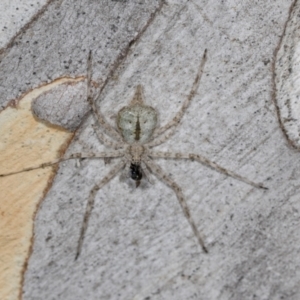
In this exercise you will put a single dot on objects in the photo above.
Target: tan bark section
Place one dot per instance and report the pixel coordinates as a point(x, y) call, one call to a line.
point(24, 143)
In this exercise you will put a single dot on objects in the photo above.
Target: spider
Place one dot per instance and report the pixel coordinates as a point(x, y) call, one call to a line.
point(136, 134)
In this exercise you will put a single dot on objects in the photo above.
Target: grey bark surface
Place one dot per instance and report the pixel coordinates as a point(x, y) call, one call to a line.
point(138, 244)
point(63, 105)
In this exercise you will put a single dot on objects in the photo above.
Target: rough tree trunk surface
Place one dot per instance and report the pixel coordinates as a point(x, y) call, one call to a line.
point(138, 243)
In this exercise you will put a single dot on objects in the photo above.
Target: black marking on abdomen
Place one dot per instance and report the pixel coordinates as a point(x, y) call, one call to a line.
point(137, 130)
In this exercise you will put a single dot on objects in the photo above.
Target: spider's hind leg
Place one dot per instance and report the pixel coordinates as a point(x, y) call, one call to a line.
point(104, 139)
point(176, 120)
point(100, 118)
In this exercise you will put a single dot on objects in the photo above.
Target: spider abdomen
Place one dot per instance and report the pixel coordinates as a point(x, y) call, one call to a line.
point(137, 123)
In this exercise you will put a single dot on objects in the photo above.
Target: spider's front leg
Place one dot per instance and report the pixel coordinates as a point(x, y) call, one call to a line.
point(159, 173)
point(146, 173)
point(206, 162)
point(91, 201)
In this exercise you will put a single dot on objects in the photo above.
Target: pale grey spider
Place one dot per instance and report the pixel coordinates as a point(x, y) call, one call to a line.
point(133, 141)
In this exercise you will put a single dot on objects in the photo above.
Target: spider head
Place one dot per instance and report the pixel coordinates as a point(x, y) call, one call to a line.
point(136, 173)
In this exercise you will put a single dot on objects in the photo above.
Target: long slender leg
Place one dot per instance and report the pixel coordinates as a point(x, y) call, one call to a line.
point(146, 172)
point(125, 171)
point(91, 201)
point(122, 55)
point(104, 140)
point(158, 172)
point(110, 154)
point(206, 162)
point(106, 126)
point(162, 138)
point(175, 121)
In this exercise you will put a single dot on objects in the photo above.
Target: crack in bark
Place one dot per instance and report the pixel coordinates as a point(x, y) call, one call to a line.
point(274, 89)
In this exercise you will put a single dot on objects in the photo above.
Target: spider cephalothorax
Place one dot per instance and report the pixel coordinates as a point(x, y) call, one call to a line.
point(136, 173)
